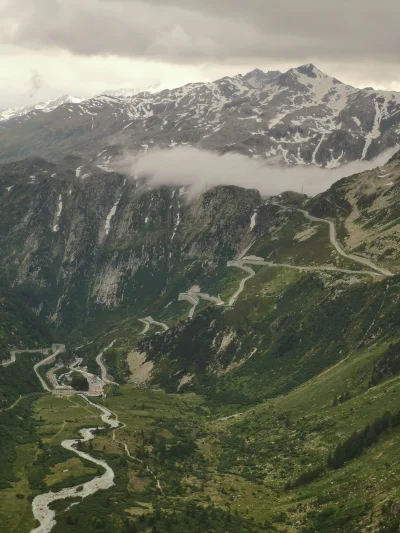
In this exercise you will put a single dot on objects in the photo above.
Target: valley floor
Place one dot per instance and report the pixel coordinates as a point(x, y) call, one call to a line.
point(187, 457)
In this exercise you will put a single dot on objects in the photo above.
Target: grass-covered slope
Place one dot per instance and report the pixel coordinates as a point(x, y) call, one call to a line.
point(366, 209)
point(19, 329)
point(19, 326)
point(287, 328)
point(286, 443)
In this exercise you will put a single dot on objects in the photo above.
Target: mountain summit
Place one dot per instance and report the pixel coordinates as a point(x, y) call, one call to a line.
point(301, 117)
point(257, 78)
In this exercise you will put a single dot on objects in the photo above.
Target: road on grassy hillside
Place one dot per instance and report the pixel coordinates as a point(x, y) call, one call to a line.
point(240, 264)
point(46, 361)
point(103, 368)
point(194, 295)
point(329, 268)
point(149, 321)
point(57, 348)
point(333, 238)
point(13, 354)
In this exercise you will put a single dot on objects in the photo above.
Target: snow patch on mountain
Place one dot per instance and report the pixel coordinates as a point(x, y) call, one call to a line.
point(46, 107)
point(375, 131)
point(110, 216)
point(253, 220)
point(58, 215)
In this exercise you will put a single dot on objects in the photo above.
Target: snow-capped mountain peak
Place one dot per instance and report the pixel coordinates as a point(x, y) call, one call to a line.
point(301, 117)
point(46, 106)
point(311, 71)
point(130, 92)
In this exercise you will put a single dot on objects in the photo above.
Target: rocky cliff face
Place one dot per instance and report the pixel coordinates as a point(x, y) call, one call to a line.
point(79, 244)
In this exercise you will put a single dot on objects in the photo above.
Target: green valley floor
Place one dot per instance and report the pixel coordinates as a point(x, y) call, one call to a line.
point(184, 464)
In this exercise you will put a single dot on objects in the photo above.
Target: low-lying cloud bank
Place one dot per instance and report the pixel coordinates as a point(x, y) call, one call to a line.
point(199, 170)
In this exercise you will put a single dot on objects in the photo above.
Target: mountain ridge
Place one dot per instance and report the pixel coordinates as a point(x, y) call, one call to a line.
point(301, 117)
point(45, 106)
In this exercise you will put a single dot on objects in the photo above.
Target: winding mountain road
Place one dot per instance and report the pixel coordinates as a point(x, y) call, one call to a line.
point(149, 321)
point(46, 361)
point(186, 297)
point(57, 348)
point(333, 238)
point(13, 354)
point(102, 366)
point(376, 271)
point(240, 263)
point(259, 261)
point(41, 504)
point(194, 295)
point(146, 326)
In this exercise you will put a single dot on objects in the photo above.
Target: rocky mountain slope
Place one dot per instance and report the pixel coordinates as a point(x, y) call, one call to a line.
point(77, 240)
point(301, 117)
point(93, 252)
point(258, 79)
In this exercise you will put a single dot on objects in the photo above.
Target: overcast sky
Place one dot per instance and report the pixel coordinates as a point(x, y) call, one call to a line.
point(82, 47)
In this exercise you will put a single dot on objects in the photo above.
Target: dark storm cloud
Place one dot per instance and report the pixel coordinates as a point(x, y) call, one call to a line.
point(198, 31)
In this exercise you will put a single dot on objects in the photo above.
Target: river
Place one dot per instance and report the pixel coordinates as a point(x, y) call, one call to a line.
point(41, 503)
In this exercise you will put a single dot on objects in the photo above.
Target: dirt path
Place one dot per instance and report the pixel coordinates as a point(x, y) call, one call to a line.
point(60, 431)
point(128, 453)
point(12, 406)
point(19, 399)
